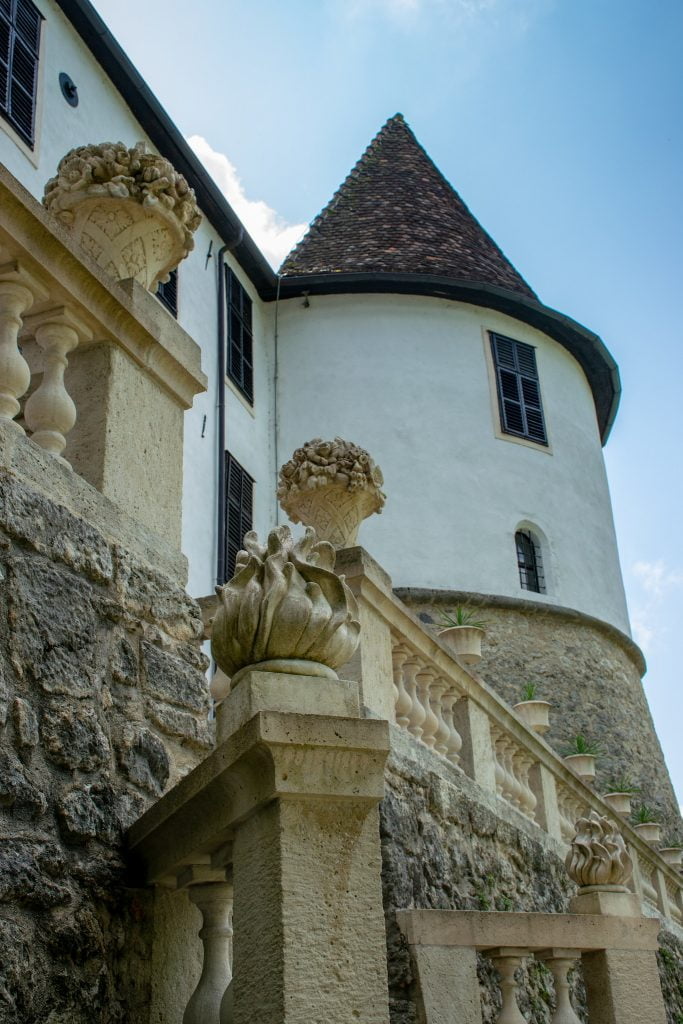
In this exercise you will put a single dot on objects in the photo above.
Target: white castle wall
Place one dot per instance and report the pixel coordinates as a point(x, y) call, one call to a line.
point(407, 378)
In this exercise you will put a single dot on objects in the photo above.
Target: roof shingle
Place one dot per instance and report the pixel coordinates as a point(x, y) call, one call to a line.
point(396, 213)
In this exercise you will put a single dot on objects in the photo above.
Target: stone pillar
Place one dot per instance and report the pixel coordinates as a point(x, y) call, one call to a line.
point(623, 987)
point(476, 755)
point(309, 940)
point(542, 783)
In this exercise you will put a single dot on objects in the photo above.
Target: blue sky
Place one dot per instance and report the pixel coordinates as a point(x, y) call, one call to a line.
point(560, 122)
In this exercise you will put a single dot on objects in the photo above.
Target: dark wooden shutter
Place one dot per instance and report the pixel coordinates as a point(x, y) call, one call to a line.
point(239, 510)
point(168, 293)
point(239, 361)
point(20, 23)
point(519, 393)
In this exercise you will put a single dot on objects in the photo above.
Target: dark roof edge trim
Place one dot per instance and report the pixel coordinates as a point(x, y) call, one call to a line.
point(167, 138)
point(587, 348)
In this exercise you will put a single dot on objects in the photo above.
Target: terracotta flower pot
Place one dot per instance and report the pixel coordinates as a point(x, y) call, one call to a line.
point(465, 641)
point(535, 714)
point(619, 802)
point(650, 831)
point(582, 764)
point(673, 855)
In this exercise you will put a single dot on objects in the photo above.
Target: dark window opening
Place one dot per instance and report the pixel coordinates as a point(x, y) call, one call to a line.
point(239, 361)
point(529, 563)
point(239, 510)
point(519, 393)
point(20, 24)
point(167, 293)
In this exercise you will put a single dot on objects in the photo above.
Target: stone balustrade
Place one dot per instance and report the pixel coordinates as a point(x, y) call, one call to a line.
point(90, 365)
point(445, 706)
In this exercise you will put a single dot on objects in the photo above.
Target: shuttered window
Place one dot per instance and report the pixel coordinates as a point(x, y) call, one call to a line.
point(168, 293)
point(519, 392)
point(239, 510)
point(239, 360)
point(20, 23)
point(531, 576)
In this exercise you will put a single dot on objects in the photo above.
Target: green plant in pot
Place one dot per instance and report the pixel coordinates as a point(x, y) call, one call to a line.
point(646, 824)
point(533, 711)
point(580, 757)
point(672, 852)
point(619, 793)
point(464, 632)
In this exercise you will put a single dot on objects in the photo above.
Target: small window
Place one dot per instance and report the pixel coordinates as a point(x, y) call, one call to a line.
point(239, 510)
point(519, 392)
point(167, 293)
point(239, 361)
point(529, 563)
point(20, 24)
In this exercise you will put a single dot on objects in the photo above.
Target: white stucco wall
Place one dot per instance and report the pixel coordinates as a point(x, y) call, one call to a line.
point(102, 115)
point(407, 378)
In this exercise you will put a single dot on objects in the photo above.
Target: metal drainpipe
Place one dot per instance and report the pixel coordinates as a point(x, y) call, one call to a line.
point(220, 555)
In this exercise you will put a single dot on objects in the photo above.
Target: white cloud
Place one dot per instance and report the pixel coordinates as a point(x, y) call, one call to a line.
point(656, 581)
point(274, 236)
point(656, 578)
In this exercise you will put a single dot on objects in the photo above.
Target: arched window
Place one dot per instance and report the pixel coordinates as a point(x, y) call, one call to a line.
point(529, 562)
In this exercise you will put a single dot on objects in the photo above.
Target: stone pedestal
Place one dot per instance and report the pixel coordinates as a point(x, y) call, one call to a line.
point(623, 987)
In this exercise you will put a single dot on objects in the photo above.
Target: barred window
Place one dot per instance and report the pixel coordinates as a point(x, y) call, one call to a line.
point(239, 506)
point(20, 25)
point(529, 563)
point(519, 392)
point(167, 293)
point(239, 360)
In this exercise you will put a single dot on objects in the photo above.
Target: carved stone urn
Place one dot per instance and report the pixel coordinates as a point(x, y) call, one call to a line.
point(285, 610)
point(332, 486)
point(127, 208)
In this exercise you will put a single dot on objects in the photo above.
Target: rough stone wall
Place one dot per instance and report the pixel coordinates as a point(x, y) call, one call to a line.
point(591, 679)
point(103, 706)
point(446, 845)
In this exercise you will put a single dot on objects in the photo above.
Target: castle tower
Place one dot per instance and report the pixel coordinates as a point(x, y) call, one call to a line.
point(403, 327)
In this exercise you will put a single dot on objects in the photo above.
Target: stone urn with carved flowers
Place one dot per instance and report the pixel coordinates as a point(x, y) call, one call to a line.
point(127, 208)
point(332, 486)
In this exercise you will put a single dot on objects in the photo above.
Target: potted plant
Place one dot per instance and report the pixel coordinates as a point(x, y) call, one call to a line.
point(581, 756)
point(672, 854)
point(619, 793)
point(645, 823)
point(464, 633)
point(533, 712)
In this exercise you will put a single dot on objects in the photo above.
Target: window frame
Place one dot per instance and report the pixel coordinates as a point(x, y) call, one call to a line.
point(169, 298)
point(238, 518)
point(501, 430)
point(27, 144)
point(537, 568)
point(239, 336)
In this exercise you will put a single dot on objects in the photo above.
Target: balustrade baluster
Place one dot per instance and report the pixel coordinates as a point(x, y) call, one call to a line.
point(50, 413)
point(403, 702)
point(499, 769)
point(425, 678)
point(506, 966)
point(454, 741)
point(436, 698)
point(523, 763)
point(17, 294)
point(417, 712)
point(564, 1011)
point(207, 1004)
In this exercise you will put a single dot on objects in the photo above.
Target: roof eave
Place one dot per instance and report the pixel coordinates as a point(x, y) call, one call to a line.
point(167, 138)
point(587, 348)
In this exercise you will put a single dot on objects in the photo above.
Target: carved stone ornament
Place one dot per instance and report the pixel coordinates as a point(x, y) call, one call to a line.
point(128, 208)
point(598, 856)
point(332, 486)
point(285, 609)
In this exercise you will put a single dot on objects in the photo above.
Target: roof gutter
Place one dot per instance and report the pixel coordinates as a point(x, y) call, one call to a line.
point(168, 139)
point(587, 348)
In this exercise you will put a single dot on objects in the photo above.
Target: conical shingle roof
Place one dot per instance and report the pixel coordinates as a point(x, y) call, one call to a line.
point(396, 213)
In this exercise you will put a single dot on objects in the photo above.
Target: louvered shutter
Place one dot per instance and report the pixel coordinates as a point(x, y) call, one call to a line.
point(239, 341)
point(168, 293)
point(238, 510)
point(20, 23)
point(519, 393)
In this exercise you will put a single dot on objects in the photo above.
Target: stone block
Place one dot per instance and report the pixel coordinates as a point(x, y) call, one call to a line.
point(152, 596)
point(195, 732)
point(25, 723)
point(173, 680)
point(144, 759)
point(20, 788)
point(73, 737)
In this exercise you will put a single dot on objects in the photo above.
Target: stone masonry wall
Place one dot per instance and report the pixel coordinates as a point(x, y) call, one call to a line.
point(446, 845)
point(590, 676)
point(103, 706)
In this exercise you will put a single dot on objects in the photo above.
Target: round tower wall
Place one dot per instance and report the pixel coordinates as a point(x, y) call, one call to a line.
point(410, 378)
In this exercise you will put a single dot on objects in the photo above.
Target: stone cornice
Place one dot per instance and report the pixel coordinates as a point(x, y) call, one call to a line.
point(123, 313)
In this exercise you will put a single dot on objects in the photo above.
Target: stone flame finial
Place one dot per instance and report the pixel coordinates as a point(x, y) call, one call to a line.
point(285, 609)
point(332, 486)
point(598, 856)
point(128, 208)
